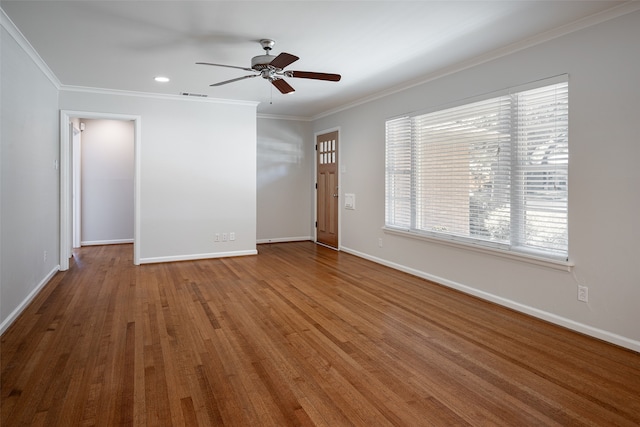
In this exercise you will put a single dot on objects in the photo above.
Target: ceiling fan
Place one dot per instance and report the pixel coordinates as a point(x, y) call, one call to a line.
point(272, 67)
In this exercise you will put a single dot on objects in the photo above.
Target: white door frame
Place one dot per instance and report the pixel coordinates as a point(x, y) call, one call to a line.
point(76, 185)
point(66, 172)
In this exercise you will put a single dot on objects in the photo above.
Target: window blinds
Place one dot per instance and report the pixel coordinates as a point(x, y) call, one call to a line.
point(492, 172)
point(540, 191)
point(398, 173)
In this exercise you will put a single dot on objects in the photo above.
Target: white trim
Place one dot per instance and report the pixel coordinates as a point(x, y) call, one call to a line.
point(522, 308)
point(285, 239)
point(66, 214)
point(76, 192)
point(195, 257)
point(171, 97)
point(606, 15)
point(518, 256)
point(137, 192)
point(25, 302)
point(276, 117)
point(105, 242)
point(65, 179)
point(22, 41)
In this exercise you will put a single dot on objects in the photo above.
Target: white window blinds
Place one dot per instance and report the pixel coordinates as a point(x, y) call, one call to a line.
point(398, 173)
point(492, 172)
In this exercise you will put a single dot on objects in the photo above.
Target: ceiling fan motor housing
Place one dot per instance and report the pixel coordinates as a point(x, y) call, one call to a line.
point(261, 62)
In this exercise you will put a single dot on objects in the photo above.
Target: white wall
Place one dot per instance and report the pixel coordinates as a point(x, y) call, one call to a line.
point(603, 63)
point(107, 179)
point(29, 180)
point(198, 172)
point(285, 183)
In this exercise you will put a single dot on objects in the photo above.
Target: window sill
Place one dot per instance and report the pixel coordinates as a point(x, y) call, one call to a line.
point(522, 257)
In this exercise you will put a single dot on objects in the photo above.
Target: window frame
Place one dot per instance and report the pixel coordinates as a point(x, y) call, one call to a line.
point(510, 249)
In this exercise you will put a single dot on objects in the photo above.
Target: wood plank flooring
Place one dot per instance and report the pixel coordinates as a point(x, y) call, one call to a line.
point(297, 335)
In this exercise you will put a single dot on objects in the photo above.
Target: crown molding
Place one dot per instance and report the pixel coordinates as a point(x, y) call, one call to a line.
point(165, 96)
point(283, 117)
point(589, 21)
point(22, 41)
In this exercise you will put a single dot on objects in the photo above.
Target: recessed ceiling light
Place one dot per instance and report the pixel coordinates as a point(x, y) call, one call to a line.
point(162, 79)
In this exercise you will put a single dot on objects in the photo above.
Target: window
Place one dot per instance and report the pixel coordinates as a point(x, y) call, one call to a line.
point(492, 173)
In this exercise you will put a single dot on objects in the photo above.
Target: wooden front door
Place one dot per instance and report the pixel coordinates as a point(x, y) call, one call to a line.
point(328, 190)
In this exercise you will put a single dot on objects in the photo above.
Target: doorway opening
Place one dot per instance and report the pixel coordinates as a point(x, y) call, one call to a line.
point(69, 179)
point(102, 181)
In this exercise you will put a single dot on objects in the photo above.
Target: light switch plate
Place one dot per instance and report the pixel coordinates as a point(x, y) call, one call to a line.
point(350, 201)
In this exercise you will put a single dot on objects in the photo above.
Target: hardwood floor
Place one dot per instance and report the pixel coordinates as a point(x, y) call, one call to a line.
point(298, 335)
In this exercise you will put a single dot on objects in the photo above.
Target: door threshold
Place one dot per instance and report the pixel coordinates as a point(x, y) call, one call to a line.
point(327, 246)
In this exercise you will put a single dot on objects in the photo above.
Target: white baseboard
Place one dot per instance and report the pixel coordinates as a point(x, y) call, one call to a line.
point(193, 257)
point(15, 313)
point(106, 242)
point(284, 239)
point(549, 317)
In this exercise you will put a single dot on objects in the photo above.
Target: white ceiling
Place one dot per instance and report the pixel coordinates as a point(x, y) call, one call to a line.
point(376, 46)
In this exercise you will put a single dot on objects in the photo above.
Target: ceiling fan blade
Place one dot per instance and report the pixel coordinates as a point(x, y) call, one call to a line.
point(313, 75)
point(283, 60)
point(282, 86)
point(227, 66)
point(234, 80)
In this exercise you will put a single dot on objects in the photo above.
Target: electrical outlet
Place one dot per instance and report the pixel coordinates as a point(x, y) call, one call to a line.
point(44, 256)
point(224, 237)
point(380, 242)
point(232, 236)
point(583, 293)
point(216, 238)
